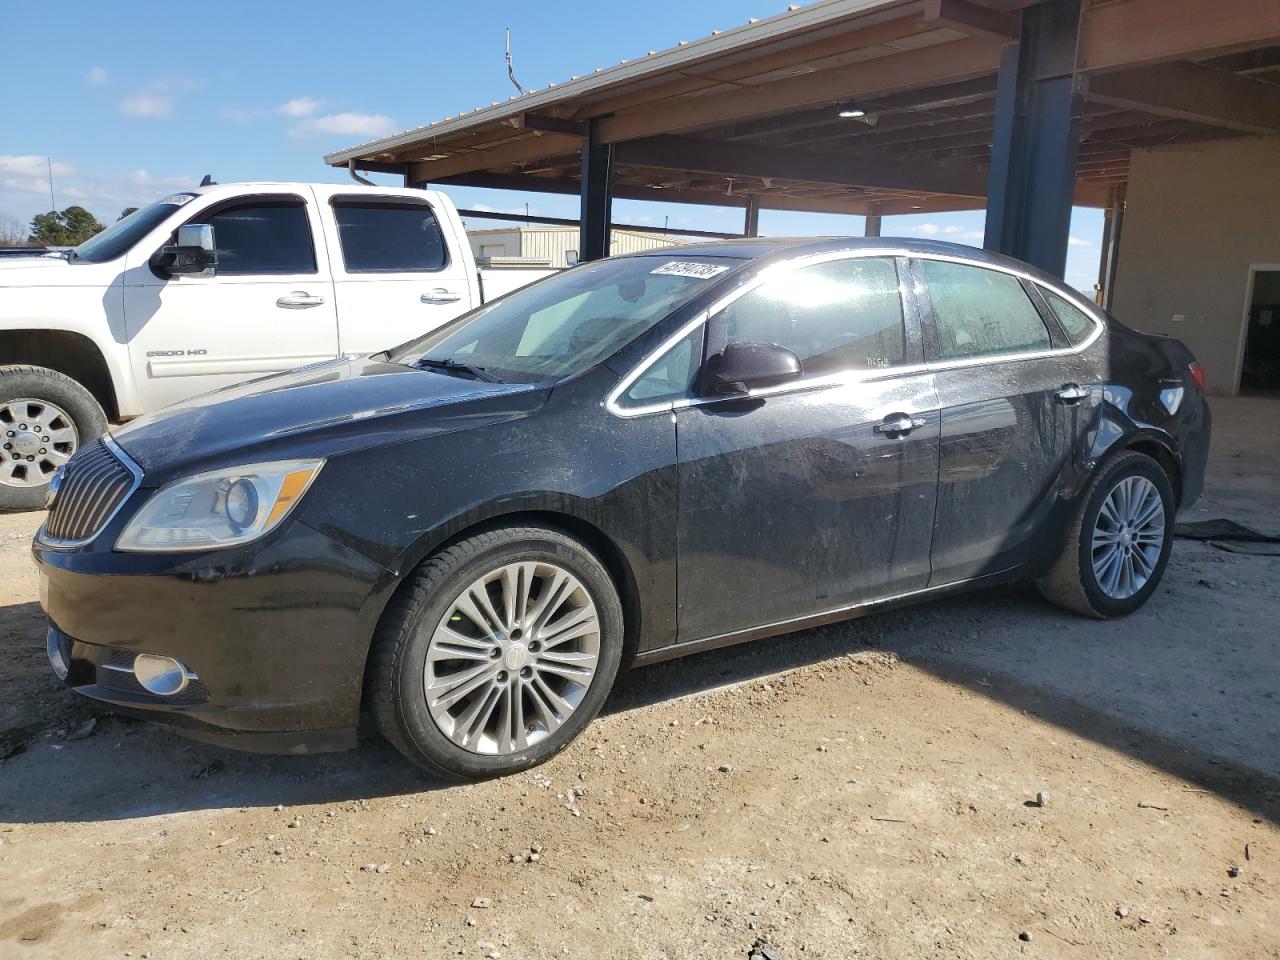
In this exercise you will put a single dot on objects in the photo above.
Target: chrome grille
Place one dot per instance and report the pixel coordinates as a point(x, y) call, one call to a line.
point(94, 484)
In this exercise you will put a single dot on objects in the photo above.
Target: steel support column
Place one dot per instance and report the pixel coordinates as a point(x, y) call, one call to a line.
point(1033, 150)
point(872, 226)
point(1111, 252)
point(597, 197)
point(751, 223)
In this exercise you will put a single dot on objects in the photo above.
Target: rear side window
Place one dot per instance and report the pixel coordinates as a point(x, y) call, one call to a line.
point(980, 312)
point(1075, 322)
point(389, 238)
point(844, 314)
point(263, 237)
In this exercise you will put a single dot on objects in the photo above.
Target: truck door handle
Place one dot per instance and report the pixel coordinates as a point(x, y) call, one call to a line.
point(1072, 393)
point(299, 300)
point(898, 425)
point(441, 295)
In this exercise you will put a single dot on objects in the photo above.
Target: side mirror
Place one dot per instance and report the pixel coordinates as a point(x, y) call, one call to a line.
point(743, 366)
point(193, 255)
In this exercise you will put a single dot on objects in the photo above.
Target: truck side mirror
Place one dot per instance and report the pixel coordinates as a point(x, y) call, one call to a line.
point(193, 255)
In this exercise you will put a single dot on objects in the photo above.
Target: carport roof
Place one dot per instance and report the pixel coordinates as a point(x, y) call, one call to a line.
point(751, 112)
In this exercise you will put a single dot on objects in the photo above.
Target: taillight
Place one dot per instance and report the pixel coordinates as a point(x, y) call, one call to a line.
point(1196, 374)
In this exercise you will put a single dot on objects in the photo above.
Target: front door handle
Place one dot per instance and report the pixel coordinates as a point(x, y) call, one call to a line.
point(898, 425)
point(299, 300)
point(1072, 393)
point(441, 295)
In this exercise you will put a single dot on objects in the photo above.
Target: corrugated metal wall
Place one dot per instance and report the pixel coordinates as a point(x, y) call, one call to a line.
point(554, 243)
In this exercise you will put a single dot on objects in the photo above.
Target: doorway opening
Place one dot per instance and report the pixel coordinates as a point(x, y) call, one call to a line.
point(1260, 366)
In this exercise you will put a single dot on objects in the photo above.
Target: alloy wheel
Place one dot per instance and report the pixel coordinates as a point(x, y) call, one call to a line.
point(512, 657)
point(36, 437)
point(1128, 537)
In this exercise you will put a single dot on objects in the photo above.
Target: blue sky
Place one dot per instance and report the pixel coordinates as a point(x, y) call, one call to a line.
point(131, 101)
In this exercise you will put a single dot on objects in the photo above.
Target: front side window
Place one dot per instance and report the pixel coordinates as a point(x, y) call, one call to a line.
point(1076, 324)
point(263, 237)
point(565, 324)
point(839, 315)
point(980, 312)
point(671, 376)
point(389, 238)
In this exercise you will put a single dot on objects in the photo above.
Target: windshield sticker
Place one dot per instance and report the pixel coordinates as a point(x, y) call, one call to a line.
point(687, 268)
point(178, 199)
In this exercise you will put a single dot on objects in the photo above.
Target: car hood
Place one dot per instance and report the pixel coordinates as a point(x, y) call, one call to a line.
point(324, 409)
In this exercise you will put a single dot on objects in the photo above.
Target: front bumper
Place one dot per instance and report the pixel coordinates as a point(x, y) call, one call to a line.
point(275, 633)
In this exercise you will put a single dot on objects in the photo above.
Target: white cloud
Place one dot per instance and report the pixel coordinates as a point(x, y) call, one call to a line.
point(147, 105)
point(300, 107)
point(97, 77)
point(1078, 242)
point(347, 124)
point(927, 229)
point(33, 165)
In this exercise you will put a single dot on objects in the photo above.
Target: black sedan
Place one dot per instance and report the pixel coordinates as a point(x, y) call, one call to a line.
point(635, 459)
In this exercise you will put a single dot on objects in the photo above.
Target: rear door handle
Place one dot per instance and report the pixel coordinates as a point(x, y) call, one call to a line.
point(441, 295)
point(898, 425)
point(299, 300)
point(1072, 393)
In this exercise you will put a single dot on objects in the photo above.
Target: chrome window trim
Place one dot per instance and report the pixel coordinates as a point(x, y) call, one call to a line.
point(118, 452)
point(613, 401)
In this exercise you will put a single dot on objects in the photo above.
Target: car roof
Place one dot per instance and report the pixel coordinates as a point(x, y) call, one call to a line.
point(781, 248)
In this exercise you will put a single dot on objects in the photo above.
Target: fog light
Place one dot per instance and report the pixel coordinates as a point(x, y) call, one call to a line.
point(53, 648)
point(163, 676)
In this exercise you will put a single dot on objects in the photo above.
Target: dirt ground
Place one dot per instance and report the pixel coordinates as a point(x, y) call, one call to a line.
point(864, 790)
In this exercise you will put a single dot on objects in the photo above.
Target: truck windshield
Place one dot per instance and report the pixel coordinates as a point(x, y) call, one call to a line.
point(562, 325)
point(124, 233)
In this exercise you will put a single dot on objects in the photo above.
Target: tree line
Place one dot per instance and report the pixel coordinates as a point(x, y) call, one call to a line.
point(57, 228)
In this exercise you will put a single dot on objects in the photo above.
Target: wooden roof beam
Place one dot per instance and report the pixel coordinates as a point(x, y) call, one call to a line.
point(1182, 90)
point(538, 146)
point(957, 60)
point(1131, 32)
point(974, 20)
point(742, 160)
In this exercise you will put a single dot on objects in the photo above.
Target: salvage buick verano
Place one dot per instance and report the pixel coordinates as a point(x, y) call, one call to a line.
point(469, 534)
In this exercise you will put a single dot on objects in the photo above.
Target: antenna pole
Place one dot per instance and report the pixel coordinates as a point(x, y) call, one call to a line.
point(52, 204)
point(511, 70)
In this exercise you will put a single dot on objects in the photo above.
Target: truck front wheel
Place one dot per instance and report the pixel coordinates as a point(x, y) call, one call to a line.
point(45, 417)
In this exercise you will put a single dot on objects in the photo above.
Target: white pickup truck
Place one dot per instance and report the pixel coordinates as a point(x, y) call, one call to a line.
point(212, 286)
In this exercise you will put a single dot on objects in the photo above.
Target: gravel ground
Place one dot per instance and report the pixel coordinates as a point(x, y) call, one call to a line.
point(868, 789)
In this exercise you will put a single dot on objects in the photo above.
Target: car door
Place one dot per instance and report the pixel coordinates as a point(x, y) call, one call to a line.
point(268, 307)
point(817, 494)
point(1015, 399)
point(394, 275)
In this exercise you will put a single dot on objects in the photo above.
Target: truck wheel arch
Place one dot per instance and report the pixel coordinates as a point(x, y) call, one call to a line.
point(72, 354)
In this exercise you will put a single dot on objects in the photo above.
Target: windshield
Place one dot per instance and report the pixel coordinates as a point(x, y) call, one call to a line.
point(566, 323)
point(124, 233)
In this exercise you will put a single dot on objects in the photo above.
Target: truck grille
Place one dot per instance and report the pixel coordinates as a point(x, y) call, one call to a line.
point(94, 484)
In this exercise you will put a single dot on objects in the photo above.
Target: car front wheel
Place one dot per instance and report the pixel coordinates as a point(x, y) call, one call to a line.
point(1119, 543)
point(496, 653)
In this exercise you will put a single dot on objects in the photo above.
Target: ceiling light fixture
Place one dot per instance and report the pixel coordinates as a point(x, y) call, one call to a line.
point(851, 111)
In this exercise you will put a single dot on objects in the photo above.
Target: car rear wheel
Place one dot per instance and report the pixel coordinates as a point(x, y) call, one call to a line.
point(1120, 541)
point(496, 653)
point(45, 417)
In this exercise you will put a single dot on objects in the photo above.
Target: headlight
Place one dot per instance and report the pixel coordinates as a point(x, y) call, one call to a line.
point(218, 509)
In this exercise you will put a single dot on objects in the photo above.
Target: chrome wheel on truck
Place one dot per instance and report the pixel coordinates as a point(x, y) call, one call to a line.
point(512, 658)
point(39, 437)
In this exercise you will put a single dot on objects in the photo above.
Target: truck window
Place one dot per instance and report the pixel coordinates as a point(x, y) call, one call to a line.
point(380, 237)
point(263, 237)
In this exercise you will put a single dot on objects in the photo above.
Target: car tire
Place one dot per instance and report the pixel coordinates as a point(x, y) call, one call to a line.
point(1081, 578)
point(440, 739)
point(46, 391)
